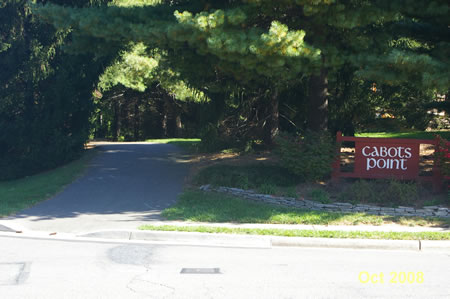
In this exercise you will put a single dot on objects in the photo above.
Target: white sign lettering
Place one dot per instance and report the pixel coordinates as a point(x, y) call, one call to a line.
point(386, 158)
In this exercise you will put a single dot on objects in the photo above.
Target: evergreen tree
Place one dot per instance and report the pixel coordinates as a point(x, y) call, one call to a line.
point(43, 112)
point(274, 43)
point(157, 87)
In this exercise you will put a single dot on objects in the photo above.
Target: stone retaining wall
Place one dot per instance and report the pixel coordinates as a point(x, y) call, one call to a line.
point(343, 207)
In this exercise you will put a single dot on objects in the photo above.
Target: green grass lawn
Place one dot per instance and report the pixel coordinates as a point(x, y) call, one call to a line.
point(214, 207)
point(410, 134)
point(305, 233)
point(189, 144)
point(19, 194)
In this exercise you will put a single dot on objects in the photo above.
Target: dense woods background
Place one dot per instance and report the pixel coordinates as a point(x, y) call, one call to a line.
point(234, 73)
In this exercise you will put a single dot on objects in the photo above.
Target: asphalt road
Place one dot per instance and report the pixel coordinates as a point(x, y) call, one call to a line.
point(126, 185)
point(40, 268)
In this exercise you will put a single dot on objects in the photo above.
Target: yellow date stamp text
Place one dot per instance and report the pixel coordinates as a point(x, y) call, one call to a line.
point(392, 277)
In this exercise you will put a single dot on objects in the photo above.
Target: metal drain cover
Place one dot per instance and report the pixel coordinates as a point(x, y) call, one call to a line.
point(200, 271)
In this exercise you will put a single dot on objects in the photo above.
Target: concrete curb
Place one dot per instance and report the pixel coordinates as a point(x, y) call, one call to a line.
point(257, 241)
point(441, 245)
point(188, 238)
point(347, 243)
point(236, 240)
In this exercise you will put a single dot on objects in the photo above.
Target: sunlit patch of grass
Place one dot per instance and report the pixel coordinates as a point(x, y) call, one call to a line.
point(409, 134)
point(188, 144)
point(305, 233)
point(200, 206)
point(172, 140)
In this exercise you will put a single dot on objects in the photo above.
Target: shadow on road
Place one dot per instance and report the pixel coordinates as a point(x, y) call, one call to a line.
point(124, 183)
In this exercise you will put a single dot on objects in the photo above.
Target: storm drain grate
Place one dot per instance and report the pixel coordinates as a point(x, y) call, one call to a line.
point(200, 271)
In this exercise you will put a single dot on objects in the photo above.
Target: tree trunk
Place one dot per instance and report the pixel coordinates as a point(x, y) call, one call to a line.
point(136, 119)
point(168, 111)
point(271, 125)
point(317, 119)
point(117, 121)
point(340, 106)
point(164, 124)
point(178, 125)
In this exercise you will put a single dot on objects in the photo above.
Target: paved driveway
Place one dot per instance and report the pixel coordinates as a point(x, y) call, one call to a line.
point(126, 185)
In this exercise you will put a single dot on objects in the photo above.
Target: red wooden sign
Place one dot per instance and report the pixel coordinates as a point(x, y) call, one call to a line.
point(386, 158)
point(381, 159)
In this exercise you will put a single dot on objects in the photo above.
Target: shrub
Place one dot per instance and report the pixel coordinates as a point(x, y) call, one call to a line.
point(440, 123)
point(320, 195)
point(268, 188)
point(434, 202)
point(400, 193)
point(359, 191)
point(290, 192)
point(384, 192)
point(309, 157)
point(442, 157)
point(242, 181)
point(250, 176)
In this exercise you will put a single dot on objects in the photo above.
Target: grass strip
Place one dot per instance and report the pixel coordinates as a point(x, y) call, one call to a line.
point(22, 193)
point(410, 134)
point(198, 206)
point(377, 235)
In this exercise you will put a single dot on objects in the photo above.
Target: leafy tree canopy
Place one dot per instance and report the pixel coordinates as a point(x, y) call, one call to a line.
point(139, 68)
point(276, 39)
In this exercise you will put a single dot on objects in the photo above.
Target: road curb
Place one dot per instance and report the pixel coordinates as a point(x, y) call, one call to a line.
point(258, 241)
point(440, 245)
point(244, 241)
point(187, 238)
point(347, 243)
